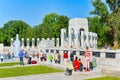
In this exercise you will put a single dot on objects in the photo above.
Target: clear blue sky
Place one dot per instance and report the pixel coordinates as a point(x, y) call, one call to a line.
point(33, 11)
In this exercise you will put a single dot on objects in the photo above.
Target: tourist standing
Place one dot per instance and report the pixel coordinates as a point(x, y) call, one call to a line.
point(72, 57)
point(50, 57)
point(21, 54)
point(41, 55)
point(65, 57)
point(9, 55)
point(59, 58)
point(38, 56)
point(29, 59)
point(87, 59)
point(56, 57)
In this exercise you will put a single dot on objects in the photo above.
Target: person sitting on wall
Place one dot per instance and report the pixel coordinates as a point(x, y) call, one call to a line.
point(109, 47)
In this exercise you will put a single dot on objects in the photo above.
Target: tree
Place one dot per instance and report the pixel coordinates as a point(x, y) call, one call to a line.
point(109, 20)
point(113, 19)
point(52, 24)
point(13, 27)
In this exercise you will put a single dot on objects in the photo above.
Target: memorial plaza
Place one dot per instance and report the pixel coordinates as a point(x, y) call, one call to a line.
point(76, 42)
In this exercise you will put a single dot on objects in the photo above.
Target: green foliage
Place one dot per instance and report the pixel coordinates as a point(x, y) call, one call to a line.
point(22, 71)
point(106, 23)
point(50, 28)
point(52, 24)
point(13, 27)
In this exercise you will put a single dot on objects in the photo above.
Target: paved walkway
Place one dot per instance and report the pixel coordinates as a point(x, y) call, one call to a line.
point(58, 76)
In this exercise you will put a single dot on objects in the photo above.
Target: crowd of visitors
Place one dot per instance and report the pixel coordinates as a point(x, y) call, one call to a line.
point(89, 62)
point(71, 61)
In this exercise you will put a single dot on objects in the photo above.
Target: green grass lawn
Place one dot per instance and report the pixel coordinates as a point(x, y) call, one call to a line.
point(105, 78)
point(9, 64)
point(29, 70)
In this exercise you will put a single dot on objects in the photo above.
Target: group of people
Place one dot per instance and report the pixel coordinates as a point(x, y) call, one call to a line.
point(76, 62)
point(108, 47)
point(31, 60)
point(56, 58)
point(41, 56)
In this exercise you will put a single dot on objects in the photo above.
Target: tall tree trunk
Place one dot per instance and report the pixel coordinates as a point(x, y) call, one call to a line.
point(115, 39)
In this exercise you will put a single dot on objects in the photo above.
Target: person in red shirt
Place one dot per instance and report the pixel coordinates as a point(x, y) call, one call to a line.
point(87, 59)
point(65, 57)
point(76, 64)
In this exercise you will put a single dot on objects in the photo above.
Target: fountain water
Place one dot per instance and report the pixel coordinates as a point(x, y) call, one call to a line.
point(16, 46)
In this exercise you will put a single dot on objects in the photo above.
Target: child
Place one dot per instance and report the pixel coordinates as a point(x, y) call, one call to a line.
point(50, 58)
point(94, 63)
point(80, 65)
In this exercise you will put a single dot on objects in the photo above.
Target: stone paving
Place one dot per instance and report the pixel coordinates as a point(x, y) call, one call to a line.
point(55, 76)
point(58, 76)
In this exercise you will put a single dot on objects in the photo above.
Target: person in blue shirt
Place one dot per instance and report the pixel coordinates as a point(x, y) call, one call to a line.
point(21, 54)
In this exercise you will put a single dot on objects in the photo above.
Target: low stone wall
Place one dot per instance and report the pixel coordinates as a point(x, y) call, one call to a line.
point(109, 58)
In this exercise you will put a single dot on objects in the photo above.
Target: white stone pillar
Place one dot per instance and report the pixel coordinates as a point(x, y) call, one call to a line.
point(28, 42)
point(77, 44)
point(57, 42)
point(38, 41)
point(82, 39)
point(70, 40)
point(91, 40)
point(63, 37)
point(96, 38)
point(33, 42)
point(87, 39)
point(53, 39)
point(22, 42)
point(43, 38)
point(66, 42)
point(12, 41)
point(48, 38)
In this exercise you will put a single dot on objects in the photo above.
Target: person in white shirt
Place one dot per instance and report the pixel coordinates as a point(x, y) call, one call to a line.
point(56, 57)
point(41, 55)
